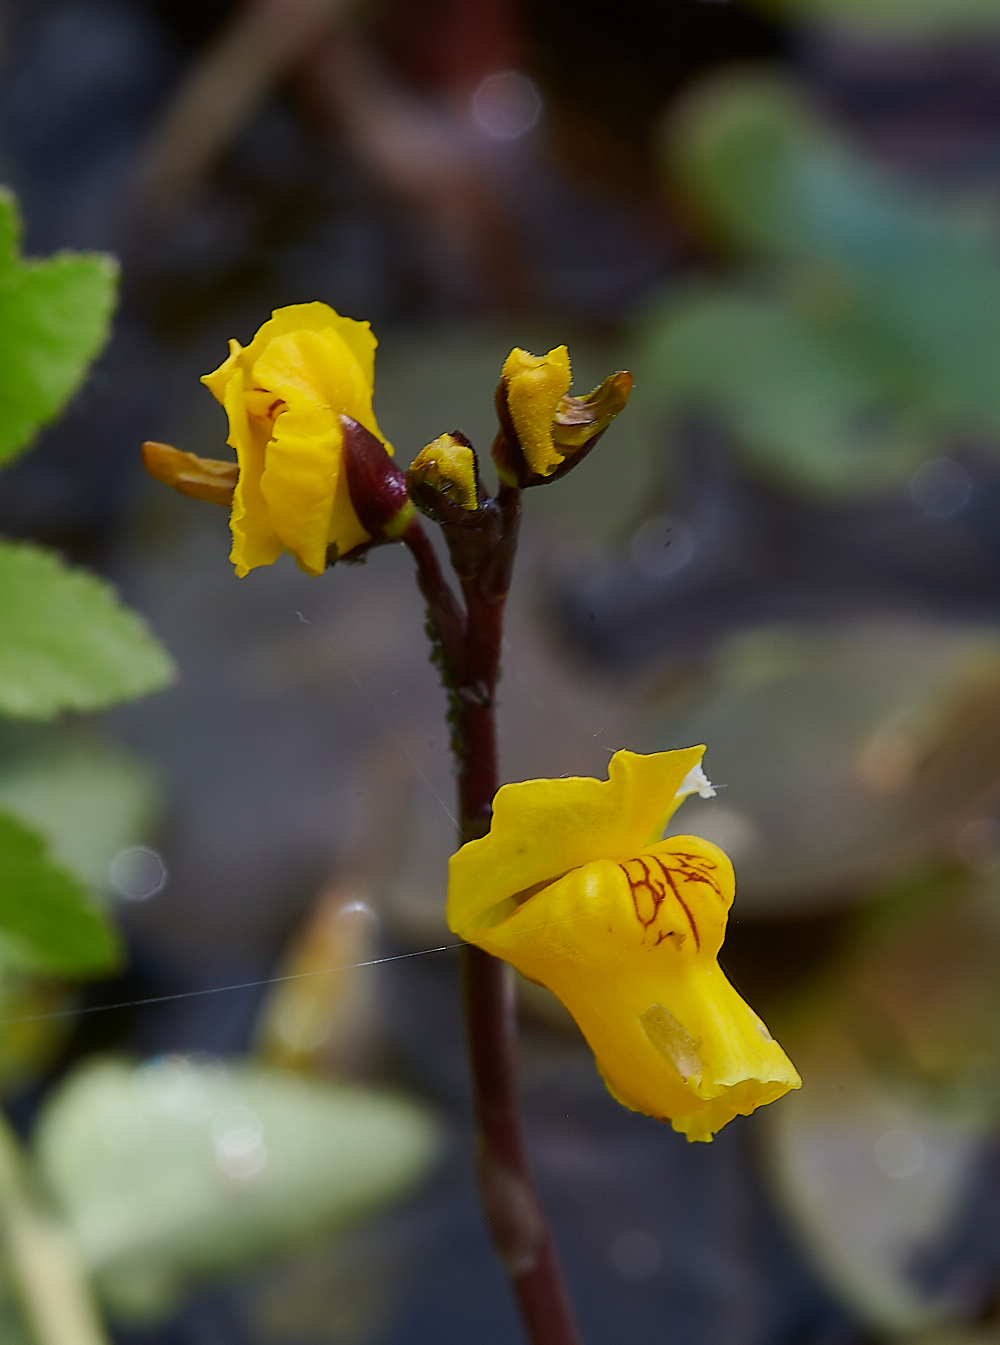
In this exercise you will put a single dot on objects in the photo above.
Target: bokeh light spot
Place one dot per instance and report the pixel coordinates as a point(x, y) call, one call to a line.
point(179, 1087)
point(662, 546)
point(137, 873)
point(506, 105)
point(240, 1153)
point(940, 488)
point(978, 845)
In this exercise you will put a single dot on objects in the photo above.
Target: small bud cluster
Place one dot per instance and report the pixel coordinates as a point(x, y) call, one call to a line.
point(544, 433)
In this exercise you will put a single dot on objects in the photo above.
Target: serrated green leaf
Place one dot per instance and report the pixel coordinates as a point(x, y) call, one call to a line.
point(183, 1168)
point(47, 921)
point(54, 319)
point(66, 642)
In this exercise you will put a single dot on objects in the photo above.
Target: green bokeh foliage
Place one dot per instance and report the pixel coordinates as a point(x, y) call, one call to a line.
point(858, 332)
point(67, 642)
point(48, 923)
point(181, 1168)
point(896, 18)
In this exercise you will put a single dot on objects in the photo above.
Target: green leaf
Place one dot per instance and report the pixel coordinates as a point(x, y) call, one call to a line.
point(13, 1329)
point(899, 18)
point(54, 319)
point(754, 154)
point(781, 184)
point(66, 642)
point(47, 921)
point(894, 298)
point(89, 800)
point(821, 406)
point(184, 1168)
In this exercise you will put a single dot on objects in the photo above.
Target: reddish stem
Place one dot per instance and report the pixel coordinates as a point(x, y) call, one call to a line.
point(520, 1230)
point(444, 613)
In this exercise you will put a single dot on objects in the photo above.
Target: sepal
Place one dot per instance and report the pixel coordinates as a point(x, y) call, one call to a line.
point(202, 478)
point(377, 487)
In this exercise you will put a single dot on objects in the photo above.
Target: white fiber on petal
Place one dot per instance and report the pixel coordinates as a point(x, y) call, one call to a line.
point(696, 782)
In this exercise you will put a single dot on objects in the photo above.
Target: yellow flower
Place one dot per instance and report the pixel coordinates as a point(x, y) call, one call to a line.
point(284, 394)
point(575, 889)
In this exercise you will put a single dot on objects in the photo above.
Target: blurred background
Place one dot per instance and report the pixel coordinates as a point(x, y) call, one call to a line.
point(785, 219)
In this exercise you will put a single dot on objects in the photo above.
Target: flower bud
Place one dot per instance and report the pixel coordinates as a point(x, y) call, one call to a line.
point(377, 487)
point(444, 479)
point(544, 432)
point(202, 478)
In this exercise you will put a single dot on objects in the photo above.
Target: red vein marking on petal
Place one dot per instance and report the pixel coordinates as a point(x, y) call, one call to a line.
point(686, 867)
point(668, 875)
point(645, 883)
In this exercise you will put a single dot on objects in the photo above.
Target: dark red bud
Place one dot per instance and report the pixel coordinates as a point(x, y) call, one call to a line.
point(376, 485)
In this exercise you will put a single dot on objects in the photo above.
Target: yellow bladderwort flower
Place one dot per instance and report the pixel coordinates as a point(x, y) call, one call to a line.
point(284, 394)
point(574, 887)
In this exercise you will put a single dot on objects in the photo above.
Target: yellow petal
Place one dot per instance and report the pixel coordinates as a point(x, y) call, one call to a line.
point(255, 541)
point(317, 317)
point(314, 317)
point(630, 949)
point(360, 340)
point(318, 377)
point(345, 531)
point(299, 481)
point(536, 384)
point(218, 380)
point(322, 367)
point(543, 828)
point(579, 419)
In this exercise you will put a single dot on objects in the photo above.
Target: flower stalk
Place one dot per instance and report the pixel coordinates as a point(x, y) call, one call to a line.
point(471, 644)
point(571, 881)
